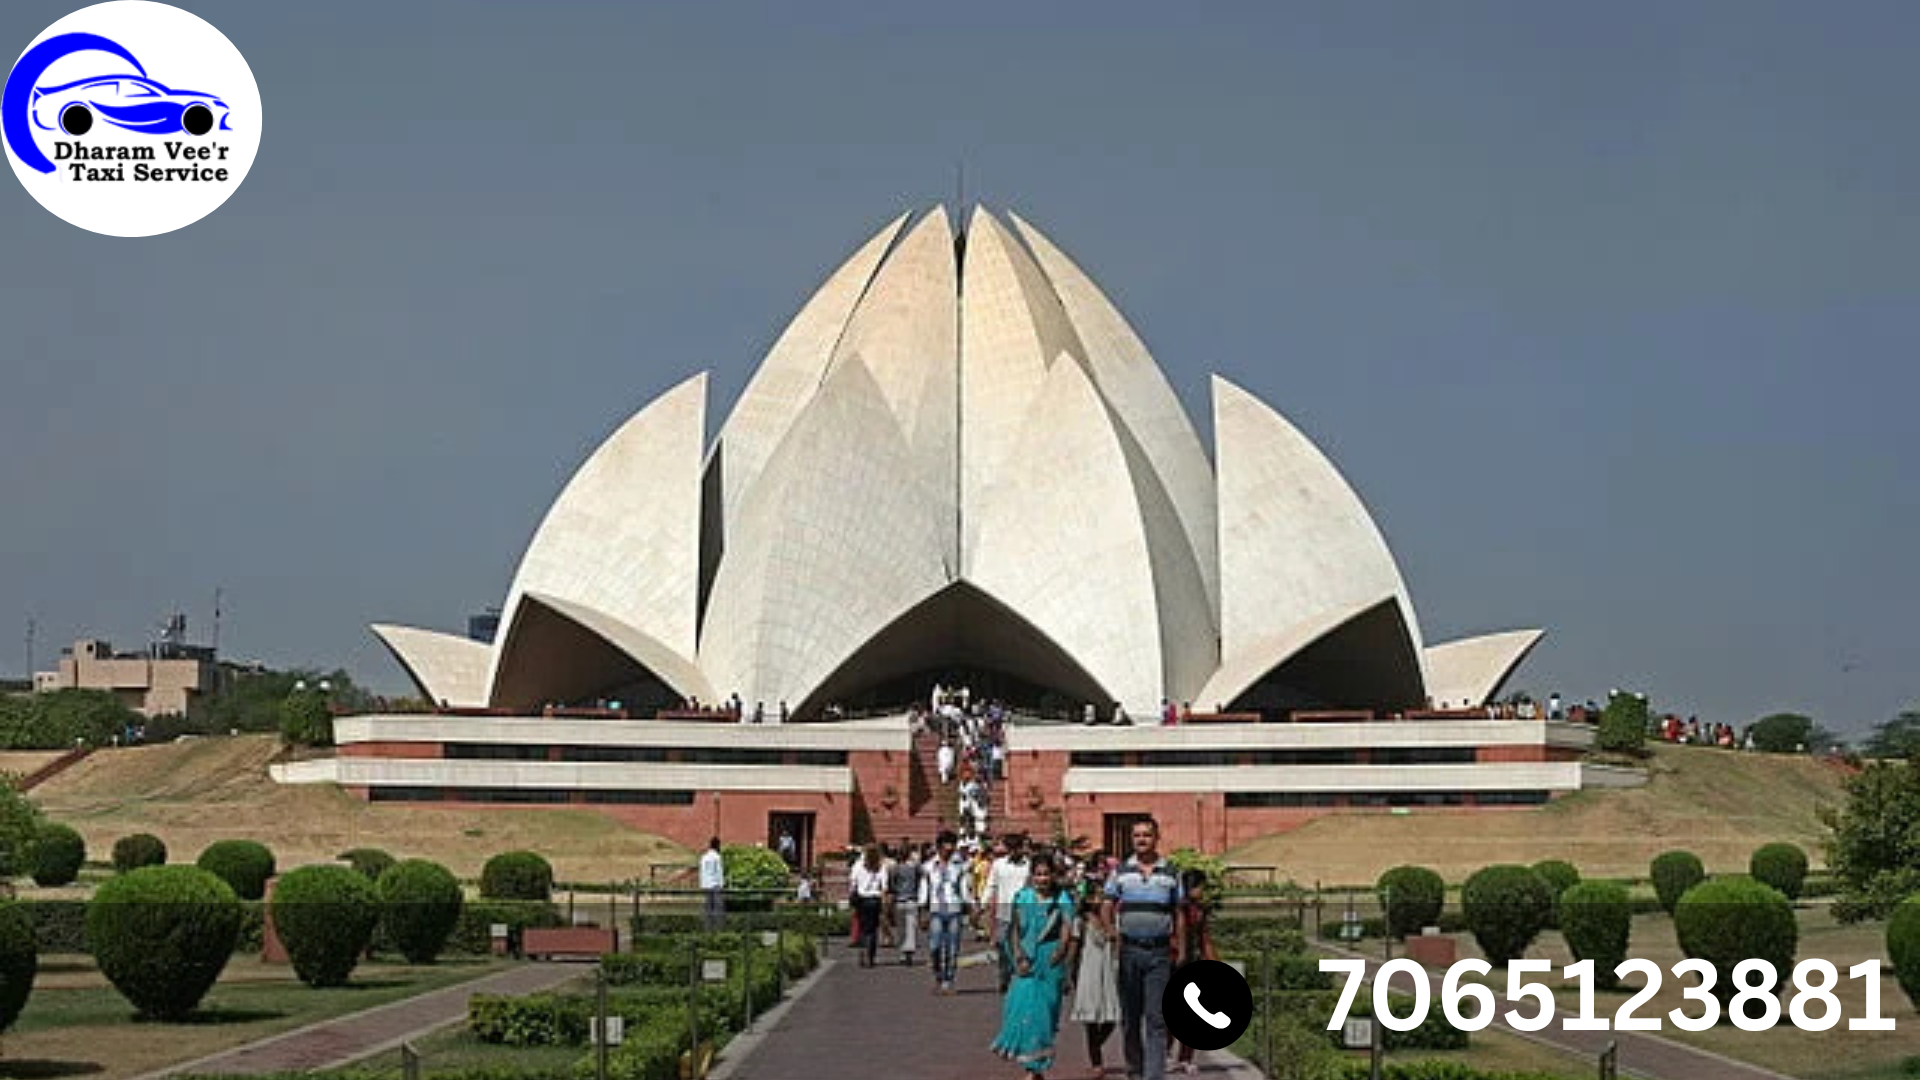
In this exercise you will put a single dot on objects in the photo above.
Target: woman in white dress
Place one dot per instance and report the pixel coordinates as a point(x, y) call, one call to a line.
point(1096, 986)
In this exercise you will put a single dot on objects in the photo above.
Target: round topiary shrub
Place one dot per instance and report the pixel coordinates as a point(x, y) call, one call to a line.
point(1782, 866)
point(419, 905)
point(19, 961)
point(1560, 876)
point(1596, 917)
point(58, 854)
point(369, 861)
point(1727, 920)
point(1673, 873)
point(138, 850)
point(1903, 947)
point(1412, 896)
point(1506, 907)
point(244, 864)
point(162, 935)
point(325, 916)
point(517, 875)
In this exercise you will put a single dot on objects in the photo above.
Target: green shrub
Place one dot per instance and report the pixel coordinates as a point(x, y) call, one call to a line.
point(369, 861)
point(162, 934)
point(518, 875)
point(1623, 724)
point(1506, 907)
point(473, 930)
point(1673, 873)
point(325, 917)
point(1903, 947)
point(138, 850)
point(1780, 865)
point(420, 903)
point(19, 961)
point(658, 920)
point(244, 864)
point(1412, 896)
point(58, 855)
point(1727, 920)
point(1560, 876)
point(1596, 918)
point(1436, 1070)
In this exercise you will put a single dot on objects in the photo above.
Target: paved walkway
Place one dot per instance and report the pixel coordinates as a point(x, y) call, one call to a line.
point(884, 1023)
point(349, 1038)
point(1641, 1054)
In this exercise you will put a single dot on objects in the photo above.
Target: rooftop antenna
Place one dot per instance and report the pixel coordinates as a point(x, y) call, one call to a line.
point(216, 620)
point(32, 627)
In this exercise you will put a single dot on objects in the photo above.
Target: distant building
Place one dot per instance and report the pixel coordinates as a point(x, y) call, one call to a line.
point(485, 626)
point(164, 679)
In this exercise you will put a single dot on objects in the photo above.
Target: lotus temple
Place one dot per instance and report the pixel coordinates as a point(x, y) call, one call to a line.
point(958, 465)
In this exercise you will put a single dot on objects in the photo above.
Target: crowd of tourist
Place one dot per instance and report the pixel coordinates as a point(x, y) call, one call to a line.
point(972, 750)
point(1094, 938)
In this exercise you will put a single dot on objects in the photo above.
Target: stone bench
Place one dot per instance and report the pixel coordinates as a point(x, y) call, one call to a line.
point(576, 942)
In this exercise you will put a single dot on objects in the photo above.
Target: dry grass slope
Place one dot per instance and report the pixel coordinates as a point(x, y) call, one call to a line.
point(1717, 804)
point(191, 794)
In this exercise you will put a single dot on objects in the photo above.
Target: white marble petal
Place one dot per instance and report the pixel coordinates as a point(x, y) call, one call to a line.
point(444, 667)
point(1469, 671)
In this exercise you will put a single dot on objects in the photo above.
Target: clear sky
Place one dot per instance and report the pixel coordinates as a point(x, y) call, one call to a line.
point(1610, 312)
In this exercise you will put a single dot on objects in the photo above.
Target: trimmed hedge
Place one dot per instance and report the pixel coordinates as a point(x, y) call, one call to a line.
point(162, 935)
point(517, 875)
point(1506, 908)
point(1596, 918)
point(1412, 897)
point(1316, 1006)
point(1903, 947)
point(138, 850)
point(325, 916)
point(243, 864)
point(810, 920)
point(1781, 866)
point(1560, 876)
point(58, 854)
point(1673, 873)
point(420, 903)
point(1435, 1070)
point(369, 861)
point(19, 961)
point(473, 930)
point(60, 925)
point(1727, 920)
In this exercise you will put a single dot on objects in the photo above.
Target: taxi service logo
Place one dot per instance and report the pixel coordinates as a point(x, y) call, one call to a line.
point(131, 118)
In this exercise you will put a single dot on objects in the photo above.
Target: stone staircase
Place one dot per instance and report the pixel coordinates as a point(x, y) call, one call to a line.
point(934, 806)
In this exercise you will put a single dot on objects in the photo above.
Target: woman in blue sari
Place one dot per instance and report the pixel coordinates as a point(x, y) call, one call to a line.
point(1042, 942)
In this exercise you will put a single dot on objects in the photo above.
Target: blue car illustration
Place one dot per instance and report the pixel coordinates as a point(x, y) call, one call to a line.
point(133, 102)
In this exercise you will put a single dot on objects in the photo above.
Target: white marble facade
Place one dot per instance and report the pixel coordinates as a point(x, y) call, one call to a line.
point(942, 412)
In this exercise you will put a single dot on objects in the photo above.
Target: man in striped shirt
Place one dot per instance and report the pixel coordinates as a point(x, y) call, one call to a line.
point(1143, 904)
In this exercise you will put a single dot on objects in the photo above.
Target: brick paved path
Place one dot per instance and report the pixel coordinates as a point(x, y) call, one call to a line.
point(886, 1023)
point(348, 1038)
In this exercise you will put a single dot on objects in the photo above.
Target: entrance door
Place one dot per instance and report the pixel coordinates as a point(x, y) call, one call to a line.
point(798, 825)
point(1118, 830)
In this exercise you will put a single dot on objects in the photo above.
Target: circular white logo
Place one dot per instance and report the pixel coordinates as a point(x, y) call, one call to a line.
point(131, 118)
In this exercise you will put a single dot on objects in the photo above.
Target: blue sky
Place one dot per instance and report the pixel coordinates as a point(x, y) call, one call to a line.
point(1609, 312)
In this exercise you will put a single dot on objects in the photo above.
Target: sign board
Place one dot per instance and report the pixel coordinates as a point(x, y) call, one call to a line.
point(1239, 966)
point(769, 938)
point(616, 1030)
point(1358, 1033)
point(498, 930)
point(713, 970)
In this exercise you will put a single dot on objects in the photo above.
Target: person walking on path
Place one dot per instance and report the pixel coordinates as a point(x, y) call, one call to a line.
point(1040, 940)
point(1196, 937)
point(943, 760)
point(946, 892)
point(1005, 879)
point(1096, 986)
point(904, 885)
point(713, 885)
point(888, 857)
point(1143, 906)
point(865, 887)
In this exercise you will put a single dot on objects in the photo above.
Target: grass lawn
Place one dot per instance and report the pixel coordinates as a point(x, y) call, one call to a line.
point(89, 1029)
point(1835, 1054)
point(455, 1049)
point(1716, 803)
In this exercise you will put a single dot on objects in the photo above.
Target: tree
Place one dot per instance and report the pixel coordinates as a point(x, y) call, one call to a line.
point(1896, 738)
point(1623, 724)
point(1782, 733)
point(19, 827)
point(1873, 843)
point(306, 719)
